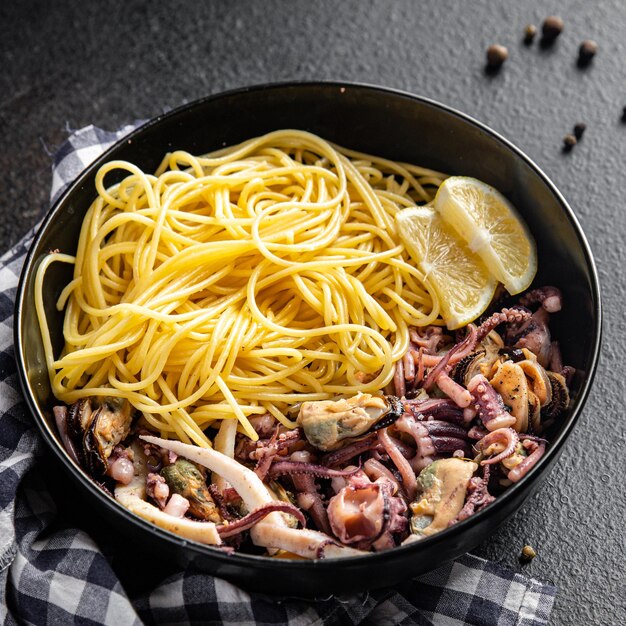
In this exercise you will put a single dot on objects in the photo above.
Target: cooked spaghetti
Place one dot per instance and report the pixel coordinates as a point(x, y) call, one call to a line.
point(241, 282)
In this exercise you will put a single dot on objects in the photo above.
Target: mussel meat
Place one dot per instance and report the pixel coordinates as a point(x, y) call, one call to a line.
point(480, 361)
point(327, 423)
point(559, 400)
point(443, 485)
point(97, 425)
point(525, 387)
point(187, 480)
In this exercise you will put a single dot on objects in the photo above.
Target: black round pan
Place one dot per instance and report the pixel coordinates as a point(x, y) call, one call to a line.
point(380, 121)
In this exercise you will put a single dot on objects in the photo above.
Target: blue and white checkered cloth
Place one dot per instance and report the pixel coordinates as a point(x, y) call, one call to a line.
point(53, 573)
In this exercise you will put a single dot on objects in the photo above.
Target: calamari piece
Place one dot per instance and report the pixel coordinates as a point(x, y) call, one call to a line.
point(357, 514)
point(444, 485)
point(327, 423)
point(247, 484)
point(273, 531)
point(132, 496)
point(225, 443)
point(310, 544)
point(368, 515)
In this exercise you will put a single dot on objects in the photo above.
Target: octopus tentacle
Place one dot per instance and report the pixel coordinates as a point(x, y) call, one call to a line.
point(535, 336)
point(556, 360)
point(458, 351)
point(267, 450)
point(461, 396)
point(477, 432)
point(418, 357)
point(506, 438)
point(308, 496)
point(548, 297)
point(252, 518)
point(425, 449)
point(449, 444)
point(444, 429)
point(375, 469)
point(345, 454)
point(489, 404)
point(409, 479)
point(526, 437)
point(469, 413)
point(407, 451)
point(220, 503)
point(310, 500)
point(272, 531)
point(478, 496)
point(513, 315)
point(408, 363)
point(428, 339)
point(298, 467)
point(399, 382)
point(396, 523)
point(519, 471)
point(446, 410)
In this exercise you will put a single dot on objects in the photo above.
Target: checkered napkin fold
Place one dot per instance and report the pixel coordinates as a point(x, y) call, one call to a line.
point(51, 573)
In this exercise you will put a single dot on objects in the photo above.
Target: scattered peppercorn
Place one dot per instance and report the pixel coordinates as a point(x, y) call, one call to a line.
point(496, 56)
point(569, 141)
point(528, 553)
point(586, 52)
point(579, 129)
point(529, 33)
point(551, 28)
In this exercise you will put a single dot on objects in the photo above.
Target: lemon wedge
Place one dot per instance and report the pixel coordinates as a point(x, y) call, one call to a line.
point(460, 279)
point(492, 228)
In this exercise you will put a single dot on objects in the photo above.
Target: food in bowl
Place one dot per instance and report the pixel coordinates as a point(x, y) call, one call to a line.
point(280, 313)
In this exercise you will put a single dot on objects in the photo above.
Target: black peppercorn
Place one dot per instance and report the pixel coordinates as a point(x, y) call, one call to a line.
point(551, 28)
point(579, 129)
point(496, 56)
point(528, 554)
point(624, 114)
point(587, 51)
point(569, 141)
point(529, 33)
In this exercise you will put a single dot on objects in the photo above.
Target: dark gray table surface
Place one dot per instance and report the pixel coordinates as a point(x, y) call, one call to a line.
point(68, 64)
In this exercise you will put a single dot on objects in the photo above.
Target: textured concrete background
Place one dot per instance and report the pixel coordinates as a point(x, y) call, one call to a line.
point(68, 64)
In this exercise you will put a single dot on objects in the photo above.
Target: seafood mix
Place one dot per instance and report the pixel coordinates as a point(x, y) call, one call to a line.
point(466, 418)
